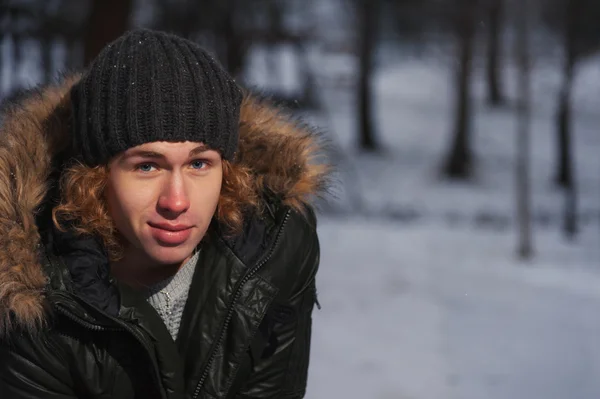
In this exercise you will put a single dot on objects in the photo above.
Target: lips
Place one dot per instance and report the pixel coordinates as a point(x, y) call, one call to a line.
point(170, 227)
point(170, 234)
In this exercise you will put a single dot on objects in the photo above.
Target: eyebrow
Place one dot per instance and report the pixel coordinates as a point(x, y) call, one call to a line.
point(198, 150)
point(158, 155)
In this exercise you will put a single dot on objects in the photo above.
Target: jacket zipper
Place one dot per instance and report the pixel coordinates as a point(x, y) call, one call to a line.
point(95, 327)
point(84, 323)
point(235, 299)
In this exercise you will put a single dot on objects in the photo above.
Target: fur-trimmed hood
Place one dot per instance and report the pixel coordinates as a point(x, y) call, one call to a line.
point(35, 129)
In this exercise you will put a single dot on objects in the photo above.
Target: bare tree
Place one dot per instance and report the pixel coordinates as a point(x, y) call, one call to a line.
point(17, 59)
point(368, 14)
point(74, 53)
point(459, 161)
point(46, 44)
point(235, 45)
point(565, 175)
point(570, 211)
point(576, 21)
point(175, 17)
point(108, 19)
point(225, 27)
point(522, 170)
point(495, 13)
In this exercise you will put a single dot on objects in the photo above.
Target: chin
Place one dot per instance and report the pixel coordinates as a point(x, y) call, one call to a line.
point(170, 255)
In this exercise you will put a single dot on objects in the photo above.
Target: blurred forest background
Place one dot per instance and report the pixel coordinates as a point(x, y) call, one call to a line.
point(466, 135)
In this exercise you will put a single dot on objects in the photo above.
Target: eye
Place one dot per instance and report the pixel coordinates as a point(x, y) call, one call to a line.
point(199, 164)
point(144, 167)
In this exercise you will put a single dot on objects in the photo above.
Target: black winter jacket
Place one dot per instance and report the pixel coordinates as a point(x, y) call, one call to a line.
point(68, 330)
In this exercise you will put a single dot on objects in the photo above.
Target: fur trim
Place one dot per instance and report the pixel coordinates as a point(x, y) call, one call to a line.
point(282, 153)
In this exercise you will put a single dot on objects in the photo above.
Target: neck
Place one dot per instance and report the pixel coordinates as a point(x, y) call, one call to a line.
point(137, 274)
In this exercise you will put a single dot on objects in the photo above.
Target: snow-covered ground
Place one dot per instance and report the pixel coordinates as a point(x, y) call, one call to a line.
point(427, 312)
point(436, 305)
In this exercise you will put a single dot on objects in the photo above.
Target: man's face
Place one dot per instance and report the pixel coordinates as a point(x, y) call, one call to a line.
point(162, 197)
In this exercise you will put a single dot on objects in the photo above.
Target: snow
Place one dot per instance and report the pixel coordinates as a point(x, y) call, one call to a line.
point(429, 312)
point(421, 291)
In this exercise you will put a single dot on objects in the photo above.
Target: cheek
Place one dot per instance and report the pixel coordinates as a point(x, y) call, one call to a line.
point(126, 204)
point(207, 196)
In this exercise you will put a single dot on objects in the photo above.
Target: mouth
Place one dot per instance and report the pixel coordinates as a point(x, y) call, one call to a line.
point(170, 235)
point(170, 227)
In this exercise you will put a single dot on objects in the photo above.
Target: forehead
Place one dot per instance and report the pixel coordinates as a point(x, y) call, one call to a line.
point(166, 147)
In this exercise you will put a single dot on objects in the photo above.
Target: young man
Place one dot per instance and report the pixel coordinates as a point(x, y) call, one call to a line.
point(156, 239)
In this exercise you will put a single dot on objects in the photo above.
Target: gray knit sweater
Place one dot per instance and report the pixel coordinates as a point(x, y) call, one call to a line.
point(169, 296)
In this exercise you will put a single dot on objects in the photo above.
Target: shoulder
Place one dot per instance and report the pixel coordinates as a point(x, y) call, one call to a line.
point(37, 355)
point(276, 224)
point(283, 241)
point(62, 358)
point(298, 233)
point(51, 340)
point(38, 345)
point(295, 252)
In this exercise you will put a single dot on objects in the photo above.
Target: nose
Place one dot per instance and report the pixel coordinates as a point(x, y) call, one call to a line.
point(174, 199)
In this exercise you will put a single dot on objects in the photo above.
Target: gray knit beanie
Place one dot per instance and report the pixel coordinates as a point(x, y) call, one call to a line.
point(153, 86)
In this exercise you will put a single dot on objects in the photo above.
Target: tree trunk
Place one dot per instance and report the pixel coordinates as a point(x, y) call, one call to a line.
point(564, 174)
point(108, 20)
point(494, 52)
point(235, 43)
point(309, 96)
point(274, 36)
point(459, 161)
point(17, 59)
point(74, 58)
point(369, 13)
point(185, 22)
point(46, 44)
point(522, 170)
point(570, 214)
